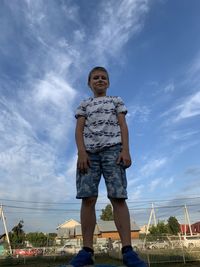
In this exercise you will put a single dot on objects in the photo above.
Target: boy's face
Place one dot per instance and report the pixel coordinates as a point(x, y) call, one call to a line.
point(99, 83)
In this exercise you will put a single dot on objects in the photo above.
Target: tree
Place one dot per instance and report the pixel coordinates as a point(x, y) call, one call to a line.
point(159, 230)
point(37, 239)
point(51, 239)
point(17, 235)
point(173, 225)
point(107, 213)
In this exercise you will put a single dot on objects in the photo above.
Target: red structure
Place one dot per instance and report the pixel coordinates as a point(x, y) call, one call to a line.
point(185, 228)
point(196, 228)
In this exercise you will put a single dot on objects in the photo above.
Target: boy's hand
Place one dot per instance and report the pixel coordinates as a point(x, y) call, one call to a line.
point(83, 162)
point(125, 158)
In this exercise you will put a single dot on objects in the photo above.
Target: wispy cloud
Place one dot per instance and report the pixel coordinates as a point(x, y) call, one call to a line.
point(190, 107)
point(140, 113)
point(183, 135)
point(40, 120)
point(169, 87)
point(152, 166)
point(136, 192)
point(167, 182)
point(193, 71)
point(117, 24)
point(47, 49)
point(154, 184)
point(193, 171)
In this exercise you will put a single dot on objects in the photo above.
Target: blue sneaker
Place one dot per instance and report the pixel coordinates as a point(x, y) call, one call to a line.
point(83, 258)
point(131, 259)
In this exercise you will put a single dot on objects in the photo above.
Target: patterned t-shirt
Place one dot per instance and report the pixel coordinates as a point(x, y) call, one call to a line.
point(101, 124)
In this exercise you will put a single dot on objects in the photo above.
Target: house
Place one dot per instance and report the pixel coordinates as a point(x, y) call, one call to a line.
point(195, 228)
point(78, 232)
point(66, 230)
point(184, 228)
point(143, 229)
point(107, 229)
point(104, 229)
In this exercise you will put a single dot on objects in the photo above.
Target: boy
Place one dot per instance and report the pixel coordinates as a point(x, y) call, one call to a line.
point(103, 148)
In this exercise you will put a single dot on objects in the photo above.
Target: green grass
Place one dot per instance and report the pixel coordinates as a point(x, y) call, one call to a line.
point(55, 261)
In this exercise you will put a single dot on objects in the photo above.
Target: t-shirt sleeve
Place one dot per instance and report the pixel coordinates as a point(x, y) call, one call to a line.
point(120, 106)
point(81, 110)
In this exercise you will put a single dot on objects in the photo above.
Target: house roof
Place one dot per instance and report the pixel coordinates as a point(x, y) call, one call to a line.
point(196, 223)
point(68, 223)
point(109, 226)
point(78, 230)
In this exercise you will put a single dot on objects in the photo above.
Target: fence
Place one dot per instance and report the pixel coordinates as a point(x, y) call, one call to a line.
point(168, 249)
point(171, 250)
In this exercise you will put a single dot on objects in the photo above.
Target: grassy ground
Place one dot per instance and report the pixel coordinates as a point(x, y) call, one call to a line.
point(55, 261)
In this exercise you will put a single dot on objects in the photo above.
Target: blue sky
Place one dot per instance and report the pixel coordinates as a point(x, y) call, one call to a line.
point(151, 50)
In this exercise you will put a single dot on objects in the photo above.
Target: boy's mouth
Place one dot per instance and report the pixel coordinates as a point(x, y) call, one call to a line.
point(100, 84)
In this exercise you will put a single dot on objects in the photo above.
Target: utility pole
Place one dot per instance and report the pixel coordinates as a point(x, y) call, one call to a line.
point(187, 220)
point(152, 214)
point(5, 227)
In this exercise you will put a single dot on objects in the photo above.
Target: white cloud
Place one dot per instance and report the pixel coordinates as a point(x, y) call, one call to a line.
point(53, 90)
point(160, 183)
point(136, 192)
point(183, 135)
point(186, 109)
point(169, 87)
point(37, 126)
point(51, 102)
point(140, 112)
point(193, 72)
point(167, 182)
point(190, 107)
point(154, 184)
point(152, 166)
point(35, 129)
point(118, 23)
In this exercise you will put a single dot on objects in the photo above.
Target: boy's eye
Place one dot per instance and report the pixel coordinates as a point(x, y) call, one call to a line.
point(100, 77)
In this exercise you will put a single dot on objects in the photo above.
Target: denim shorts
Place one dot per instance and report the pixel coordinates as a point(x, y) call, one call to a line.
point(103, 163)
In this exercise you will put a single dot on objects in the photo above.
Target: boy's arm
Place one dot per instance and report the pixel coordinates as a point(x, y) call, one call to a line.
point(83, 159)
point(124, 155)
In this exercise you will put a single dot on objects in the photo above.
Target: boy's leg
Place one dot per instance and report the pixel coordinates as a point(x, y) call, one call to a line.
point(88, 220)
point(87, 190)
point(122, 220)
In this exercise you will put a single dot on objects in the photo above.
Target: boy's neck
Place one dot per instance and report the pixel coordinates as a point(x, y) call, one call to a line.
point(95, 96)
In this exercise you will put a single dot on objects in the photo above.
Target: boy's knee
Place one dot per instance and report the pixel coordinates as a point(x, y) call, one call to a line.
point(118, 202)
point(89, 201)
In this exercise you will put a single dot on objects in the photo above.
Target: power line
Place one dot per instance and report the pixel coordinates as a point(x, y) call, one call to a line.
point(77, 203)
point(77, 210)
